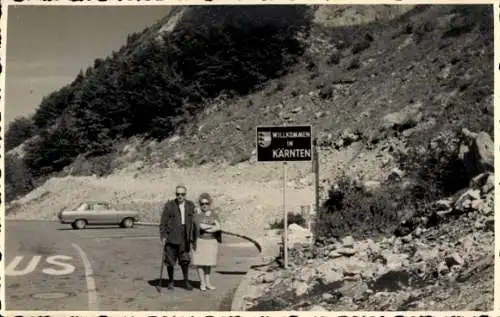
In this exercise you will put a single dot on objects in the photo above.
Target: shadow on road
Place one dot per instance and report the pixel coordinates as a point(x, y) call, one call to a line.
point(177, 283)
point(232, 272)
point(90, 228)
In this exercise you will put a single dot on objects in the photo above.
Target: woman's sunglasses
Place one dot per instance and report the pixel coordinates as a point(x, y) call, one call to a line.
point(204, 203)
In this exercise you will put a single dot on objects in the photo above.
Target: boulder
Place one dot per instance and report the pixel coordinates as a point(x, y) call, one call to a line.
point(454, 259)
point(300, 288)
point(328, 274)
point(299, 236)
point(404, 119)
point(464, 203)
point(348, 242)
point(443, 204)
point(346, 251)
point(477, 152)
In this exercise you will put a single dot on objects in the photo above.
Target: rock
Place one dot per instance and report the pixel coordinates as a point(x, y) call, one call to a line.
point(454, 259)
point(329, 275)
point(300, 288)
point(317, 308)
point(426, 255)
point(465, 201)
point(443, 269)
point(407, 118)
point(348, 242)
point(346, 251)
point(319, 114)
point(356, 268)
point(477, 154)
point(347, 136)
point(443, 204)
point(298, 235)
point(395, 175)
point(176, 137)
point(407, 238)
point(418, 232)
point(327, 297)
point(306, 274)
point(489, 185)
point(269, 277)
point(393, 260)
point(334, 254)
point(477, 182)
point(478, 205)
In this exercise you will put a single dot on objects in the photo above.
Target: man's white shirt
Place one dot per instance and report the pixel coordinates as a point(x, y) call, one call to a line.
point(183, 214)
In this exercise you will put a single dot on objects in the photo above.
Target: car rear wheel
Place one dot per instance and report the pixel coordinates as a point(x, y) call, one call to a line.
point(128, 223)
point(79, 224)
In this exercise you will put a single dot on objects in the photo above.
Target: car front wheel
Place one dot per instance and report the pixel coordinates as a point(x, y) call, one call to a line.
point(79, 224)
point(128, 223)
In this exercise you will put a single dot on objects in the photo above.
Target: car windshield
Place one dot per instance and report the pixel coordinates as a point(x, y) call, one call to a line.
point(82, 207)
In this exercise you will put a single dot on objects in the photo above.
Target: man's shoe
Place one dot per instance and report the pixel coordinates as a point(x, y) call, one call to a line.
point(188, 286)
point(170, 285)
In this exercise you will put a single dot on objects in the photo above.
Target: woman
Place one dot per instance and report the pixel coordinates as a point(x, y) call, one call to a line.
point(208, 237)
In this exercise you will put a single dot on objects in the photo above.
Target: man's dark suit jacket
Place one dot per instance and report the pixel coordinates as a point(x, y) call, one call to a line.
point(171, 220)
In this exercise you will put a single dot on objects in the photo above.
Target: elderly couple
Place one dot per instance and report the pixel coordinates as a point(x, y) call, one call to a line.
point(190, 235)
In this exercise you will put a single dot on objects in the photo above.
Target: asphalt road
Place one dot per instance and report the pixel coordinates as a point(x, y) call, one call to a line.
point(49, 266)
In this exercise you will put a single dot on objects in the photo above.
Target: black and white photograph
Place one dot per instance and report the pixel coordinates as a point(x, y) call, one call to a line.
point(263, 157)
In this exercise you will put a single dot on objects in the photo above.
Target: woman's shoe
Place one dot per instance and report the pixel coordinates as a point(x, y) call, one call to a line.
point(203, 287)
point(210, 286)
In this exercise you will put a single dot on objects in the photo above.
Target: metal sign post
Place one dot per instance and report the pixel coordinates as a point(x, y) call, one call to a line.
point(284, 144)
point(285, 221)
point(316, 177)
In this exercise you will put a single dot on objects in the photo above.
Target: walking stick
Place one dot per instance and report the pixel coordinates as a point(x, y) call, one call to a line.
point(161, 270)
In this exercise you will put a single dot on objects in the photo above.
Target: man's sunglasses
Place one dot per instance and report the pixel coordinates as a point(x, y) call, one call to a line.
point(180, 194)
point(205, 203)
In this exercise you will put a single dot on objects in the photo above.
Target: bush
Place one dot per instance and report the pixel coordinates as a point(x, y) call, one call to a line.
point(93, 165)
point(19, 130)
point(437, 168)
point(292, 218)
point(351, 210)
point(18, 180)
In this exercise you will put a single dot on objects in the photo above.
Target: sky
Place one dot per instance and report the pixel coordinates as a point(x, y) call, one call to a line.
point(48, 46)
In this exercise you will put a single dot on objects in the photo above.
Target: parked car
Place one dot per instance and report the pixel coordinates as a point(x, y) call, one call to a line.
point(97, 213)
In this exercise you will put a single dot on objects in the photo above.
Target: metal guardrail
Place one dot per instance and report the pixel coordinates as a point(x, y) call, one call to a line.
point(256, 243)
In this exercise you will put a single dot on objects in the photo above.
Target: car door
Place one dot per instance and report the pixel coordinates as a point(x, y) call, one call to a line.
point(106, 214)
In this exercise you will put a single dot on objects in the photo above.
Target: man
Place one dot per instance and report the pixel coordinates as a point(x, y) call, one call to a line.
point(177, 234)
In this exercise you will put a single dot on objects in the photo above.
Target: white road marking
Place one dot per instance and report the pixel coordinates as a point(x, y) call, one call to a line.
point(66, 267)
point(91, 288)
point(11, 269)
